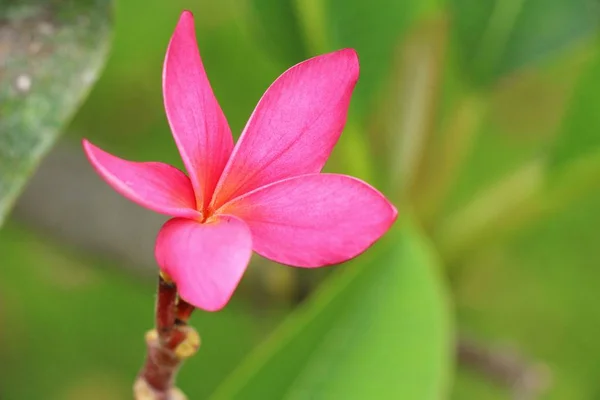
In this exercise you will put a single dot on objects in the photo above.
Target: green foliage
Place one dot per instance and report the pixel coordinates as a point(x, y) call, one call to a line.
point(536, 294)
point(496, 37)
point(277, 28)
point(52, 53)
point(74, 326)
point(126, 109)
point(580, 135)
point(375, 29)
point(378, 328)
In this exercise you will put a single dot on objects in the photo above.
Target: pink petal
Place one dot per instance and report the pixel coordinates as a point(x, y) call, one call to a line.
point(294, 127)
point(314, 220)
point(199, 127)
point(157, 186)
point(206, 261)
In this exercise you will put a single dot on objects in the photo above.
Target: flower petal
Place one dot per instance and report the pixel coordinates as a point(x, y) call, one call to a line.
point(206, 261)
point(157, 186)
point(314, 220)
point(294, 126)
point(199, 127)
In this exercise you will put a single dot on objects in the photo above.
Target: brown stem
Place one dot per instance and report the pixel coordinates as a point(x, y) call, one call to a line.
point(167, 347)
point(161, 364)
point(165, 307)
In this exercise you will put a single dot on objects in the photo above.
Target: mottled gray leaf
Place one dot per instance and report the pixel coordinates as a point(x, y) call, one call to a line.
point(50, 54)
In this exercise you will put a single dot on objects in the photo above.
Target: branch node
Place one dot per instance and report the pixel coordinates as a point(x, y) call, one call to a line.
point(143, 391)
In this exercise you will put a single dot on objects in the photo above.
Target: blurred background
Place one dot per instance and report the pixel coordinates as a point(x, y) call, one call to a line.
point(477, 118)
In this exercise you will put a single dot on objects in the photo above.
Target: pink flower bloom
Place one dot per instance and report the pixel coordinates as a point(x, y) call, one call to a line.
point(265, 194)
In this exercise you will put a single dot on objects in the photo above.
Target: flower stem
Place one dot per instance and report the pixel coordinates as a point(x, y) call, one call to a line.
point(168, 346)
point(165, 307)
point(184, 311)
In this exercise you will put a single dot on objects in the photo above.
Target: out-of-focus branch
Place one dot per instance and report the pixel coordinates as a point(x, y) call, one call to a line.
point(505, 367)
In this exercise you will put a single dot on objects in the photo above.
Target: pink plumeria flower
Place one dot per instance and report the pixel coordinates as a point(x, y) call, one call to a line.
point(265, 194)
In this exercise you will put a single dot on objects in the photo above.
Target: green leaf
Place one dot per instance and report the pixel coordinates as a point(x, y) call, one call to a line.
point(496, 37)
point(276, 25)
point(375, 29)
point(532, 296)
point(89, 316)
point(51, 53)
point(580, 134)
point(379, 328)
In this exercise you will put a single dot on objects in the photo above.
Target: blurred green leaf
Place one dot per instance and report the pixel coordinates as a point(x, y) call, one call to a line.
point(407, 115)
point(380, 328)
point(50, 55)
point(77, 323)
point(580, 135)
point(126, 107)
point(276, 25)
point(375, 29)
point(536, 295)
point(496, 37)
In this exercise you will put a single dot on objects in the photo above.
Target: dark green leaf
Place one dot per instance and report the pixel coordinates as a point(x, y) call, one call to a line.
point(496, 37)
point(50, 54)
point(379, 329)
point(375, 29)
point(580, 135)
point(276, 25)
